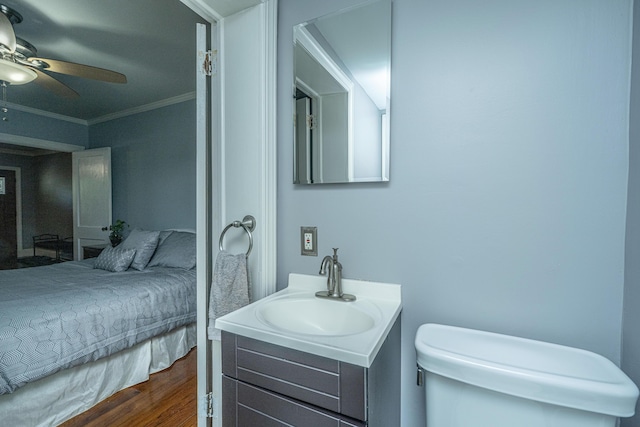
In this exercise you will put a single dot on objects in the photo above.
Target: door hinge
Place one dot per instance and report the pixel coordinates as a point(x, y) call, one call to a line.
point(208, 406)
point(311, 121)
point(209, 64)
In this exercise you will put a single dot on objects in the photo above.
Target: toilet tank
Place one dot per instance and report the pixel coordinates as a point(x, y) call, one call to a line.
point(480, 379)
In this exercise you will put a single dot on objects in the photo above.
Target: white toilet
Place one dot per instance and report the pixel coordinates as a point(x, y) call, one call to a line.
point(482, 379)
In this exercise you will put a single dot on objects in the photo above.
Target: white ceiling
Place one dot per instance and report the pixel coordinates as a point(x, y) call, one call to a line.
point(152, 42)
point(229, 7)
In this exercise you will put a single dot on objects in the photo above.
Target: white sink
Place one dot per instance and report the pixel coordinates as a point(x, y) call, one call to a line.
point(294, 317)
point(316, 316)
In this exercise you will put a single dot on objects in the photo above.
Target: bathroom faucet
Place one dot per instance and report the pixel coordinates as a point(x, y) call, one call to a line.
point(331, 284)
point(334, 278)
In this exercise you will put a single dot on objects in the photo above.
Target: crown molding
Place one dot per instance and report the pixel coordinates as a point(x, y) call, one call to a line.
point(44, 144)
point(143, 108)
point(129, 112)
point(18, 107)
point(28, 153)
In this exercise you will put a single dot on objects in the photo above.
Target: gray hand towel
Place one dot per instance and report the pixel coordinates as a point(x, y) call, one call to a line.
point(229, 288)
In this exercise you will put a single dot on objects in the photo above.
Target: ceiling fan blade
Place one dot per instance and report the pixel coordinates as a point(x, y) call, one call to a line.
point(53, 85)
point(80, 70)
point(7, 36)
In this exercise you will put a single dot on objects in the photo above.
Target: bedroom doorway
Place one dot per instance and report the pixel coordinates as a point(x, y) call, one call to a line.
point(39, 158)
point(8, 220)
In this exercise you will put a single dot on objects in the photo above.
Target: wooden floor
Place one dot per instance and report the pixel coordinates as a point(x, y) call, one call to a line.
point(168, 399)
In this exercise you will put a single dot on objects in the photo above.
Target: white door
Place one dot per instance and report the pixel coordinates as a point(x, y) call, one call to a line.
point(91, 183)
point(236, 169)
point(209, 374)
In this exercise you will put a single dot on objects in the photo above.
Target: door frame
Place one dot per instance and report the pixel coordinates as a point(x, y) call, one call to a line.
point(220, 191)
point(18, 172)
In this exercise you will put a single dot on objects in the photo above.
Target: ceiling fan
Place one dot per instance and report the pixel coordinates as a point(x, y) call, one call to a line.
point(19, 63)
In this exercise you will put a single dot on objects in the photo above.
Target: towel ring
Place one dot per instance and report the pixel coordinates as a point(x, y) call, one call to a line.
point(248, 224)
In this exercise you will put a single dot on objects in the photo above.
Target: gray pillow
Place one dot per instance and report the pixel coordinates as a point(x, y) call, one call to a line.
point(163, 235)
point(114, 259)
point(177, 250)
point(145, 244)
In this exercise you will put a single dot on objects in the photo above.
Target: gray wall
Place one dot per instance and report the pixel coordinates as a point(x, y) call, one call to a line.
point(630, 337)
point(153, 165)
point(507, 201)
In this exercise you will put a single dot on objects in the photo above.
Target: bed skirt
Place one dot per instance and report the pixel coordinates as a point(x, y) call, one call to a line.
point(59, 397)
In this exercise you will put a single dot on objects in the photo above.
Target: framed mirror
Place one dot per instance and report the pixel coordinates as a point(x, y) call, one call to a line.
point(342, 65)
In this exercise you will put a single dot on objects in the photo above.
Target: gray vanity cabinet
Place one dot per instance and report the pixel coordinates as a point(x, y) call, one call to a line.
point(268, 385)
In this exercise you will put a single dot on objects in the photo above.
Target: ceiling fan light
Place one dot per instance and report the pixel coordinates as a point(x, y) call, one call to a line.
point(15, 74)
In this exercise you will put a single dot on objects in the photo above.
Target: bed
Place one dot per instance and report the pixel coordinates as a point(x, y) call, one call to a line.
point(66, 328)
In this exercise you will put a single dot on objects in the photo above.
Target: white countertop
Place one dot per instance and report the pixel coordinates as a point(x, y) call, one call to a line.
point(382, 300)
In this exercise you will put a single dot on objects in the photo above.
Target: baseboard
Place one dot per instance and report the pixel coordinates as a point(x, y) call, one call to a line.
point(39, 252)
point(25, 252)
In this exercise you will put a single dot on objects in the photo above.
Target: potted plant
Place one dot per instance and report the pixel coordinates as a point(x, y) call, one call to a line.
point(116, 232)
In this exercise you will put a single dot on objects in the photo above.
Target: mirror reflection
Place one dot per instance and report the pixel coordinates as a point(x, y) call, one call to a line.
point(342, 66)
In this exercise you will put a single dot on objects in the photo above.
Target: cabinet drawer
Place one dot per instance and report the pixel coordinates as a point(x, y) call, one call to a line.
point(322, 382)
point(246, 405)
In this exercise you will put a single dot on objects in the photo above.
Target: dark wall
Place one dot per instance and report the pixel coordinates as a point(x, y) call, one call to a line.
point(28, 183)
point(54, 199)
point(45, 184)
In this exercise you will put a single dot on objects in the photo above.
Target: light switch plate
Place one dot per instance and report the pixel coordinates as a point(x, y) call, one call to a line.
point(309, 241)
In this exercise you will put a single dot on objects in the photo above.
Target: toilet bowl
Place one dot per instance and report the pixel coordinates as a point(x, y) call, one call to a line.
point(479, 379)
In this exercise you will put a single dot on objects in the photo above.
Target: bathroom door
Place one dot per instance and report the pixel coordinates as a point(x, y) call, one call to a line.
point(206, 379)
point(237, 169)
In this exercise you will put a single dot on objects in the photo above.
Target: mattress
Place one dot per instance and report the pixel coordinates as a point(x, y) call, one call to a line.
point(64, 315)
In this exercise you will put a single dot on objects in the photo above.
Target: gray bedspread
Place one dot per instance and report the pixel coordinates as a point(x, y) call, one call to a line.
point(64, 315)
